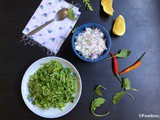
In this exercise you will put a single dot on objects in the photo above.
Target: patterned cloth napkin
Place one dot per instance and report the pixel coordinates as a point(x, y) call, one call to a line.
point(53, 35)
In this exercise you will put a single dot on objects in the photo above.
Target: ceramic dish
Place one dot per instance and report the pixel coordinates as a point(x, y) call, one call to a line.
point(53, 112)
point(106, 36)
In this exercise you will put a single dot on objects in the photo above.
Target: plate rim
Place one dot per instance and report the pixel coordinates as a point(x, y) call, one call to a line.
point(80, 85)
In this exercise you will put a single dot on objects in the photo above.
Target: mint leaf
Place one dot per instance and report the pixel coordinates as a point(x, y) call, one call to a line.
point(119, 95)
point(98, 91)
point(123, 53)
point(126, 84)
point(96, 103)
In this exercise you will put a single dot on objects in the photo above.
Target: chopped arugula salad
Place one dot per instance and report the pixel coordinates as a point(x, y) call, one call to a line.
point(52, 86)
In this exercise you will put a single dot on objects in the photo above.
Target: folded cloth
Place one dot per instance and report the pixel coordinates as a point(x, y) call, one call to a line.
point(53, 35)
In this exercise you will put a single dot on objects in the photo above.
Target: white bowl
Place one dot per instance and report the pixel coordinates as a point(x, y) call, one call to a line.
point(52, 112)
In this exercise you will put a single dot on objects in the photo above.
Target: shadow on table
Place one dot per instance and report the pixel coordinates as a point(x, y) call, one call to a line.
point(102, 14)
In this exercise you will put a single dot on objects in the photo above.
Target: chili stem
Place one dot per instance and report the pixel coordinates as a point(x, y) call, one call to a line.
point(118, 78)
point(142, 56)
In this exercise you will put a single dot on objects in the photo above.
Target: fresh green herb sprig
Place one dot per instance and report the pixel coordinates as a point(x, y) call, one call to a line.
point(52, 86)
point(98, 90)
point(119, 95)
point(126, 84)
point(71, 14)
point(88, 5)
point(96, 103)
point(123, 53)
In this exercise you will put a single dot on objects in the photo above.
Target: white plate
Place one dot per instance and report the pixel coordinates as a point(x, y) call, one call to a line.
point(53, 112)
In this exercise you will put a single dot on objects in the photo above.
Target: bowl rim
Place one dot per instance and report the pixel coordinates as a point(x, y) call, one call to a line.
point(108, 40)
point(49, 58)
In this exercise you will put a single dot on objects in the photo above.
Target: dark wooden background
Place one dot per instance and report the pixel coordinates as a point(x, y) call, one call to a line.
point(143, 34)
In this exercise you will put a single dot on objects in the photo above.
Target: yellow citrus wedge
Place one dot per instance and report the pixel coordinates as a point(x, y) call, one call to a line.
point(107, 6)
point(119, 27)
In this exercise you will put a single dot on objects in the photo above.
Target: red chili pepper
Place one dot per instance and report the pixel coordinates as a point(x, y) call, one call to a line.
point(115, 66)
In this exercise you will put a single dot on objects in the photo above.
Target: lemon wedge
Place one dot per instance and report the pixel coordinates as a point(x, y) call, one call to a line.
point(119, 27)
point(107, 6)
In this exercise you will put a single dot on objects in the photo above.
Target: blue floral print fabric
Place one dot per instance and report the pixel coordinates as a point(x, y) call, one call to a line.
point(53, 35)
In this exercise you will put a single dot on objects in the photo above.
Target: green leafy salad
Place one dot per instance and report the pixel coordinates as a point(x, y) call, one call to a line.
point(52, 86)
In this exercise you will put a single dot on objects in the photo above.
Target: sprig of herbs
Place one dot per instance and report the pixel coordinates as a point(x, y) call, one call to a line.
point(98, 90)
point(126, 84)
point(88, 5)
point(96, 103)
point(71, 14)
point(123, 53)
point(119, 95)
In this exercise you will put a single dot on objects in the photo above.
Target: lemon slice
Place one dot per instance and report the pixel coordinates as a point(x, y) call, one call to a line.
point(107, 6)
point(119, 27)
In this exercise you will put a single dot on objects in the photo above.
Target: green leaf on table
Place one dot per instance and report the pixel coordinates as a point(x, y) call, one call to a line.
point(88, 5)
point(71, 14)
point(126, 84)
point(98, 90)
point(123, 53)
point(119, 95)
point(96, 103)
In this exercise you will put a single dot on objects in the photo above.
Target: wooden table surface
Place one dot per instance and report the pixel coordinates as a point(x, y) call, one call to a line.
point(143, 34)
